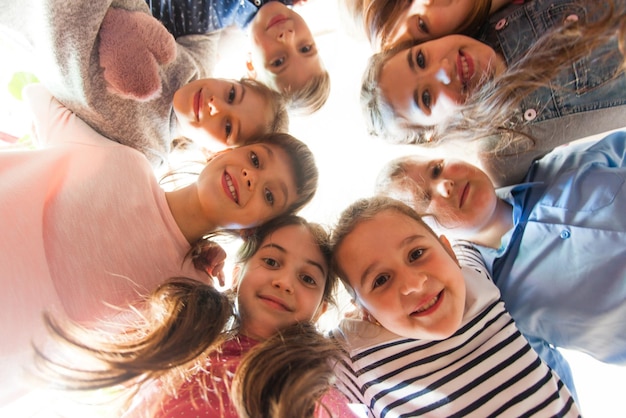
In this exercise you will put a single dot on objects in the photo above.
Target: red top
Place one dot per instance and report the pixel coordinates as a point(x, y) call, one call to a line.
point(193, 401)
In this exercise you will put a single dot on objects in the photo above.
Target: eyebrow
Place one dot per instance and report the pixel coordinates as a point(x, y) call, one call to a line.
point(409, 59)
point(307, 260)
point(402, 243)
point(281, 184)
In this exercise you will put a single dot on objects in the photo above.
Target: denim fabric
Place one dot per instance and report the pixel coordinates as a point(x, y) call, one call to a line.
point(562, 269)
point(590, 84)
point(193, 17)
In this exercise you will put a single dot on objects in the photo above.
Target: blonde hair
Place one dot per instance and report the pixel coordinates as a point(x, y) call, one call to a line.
point(359, 212)
point(280, 119)
point(378, 18)
point(174, 331)
point(310, 98)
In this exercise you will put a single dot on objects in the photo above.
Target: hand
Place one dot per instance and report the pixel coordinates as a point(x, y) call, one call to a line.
point(133, 45)
point(210, 258)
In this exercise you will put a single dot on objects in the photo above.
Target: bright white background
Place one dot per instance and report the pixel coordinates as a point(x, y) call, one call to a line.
point(348, 159)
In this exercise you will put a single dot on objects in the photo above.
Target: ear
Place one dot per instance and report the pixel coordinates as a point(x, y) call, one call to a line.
point(250, 68)
point(446, 244)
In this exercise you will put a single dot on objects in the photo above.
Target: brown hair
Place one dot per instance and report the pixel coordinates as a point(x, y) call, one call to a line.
point(359, 212)
point(378, 18)
point(287, 375)
point(173, 332)
point(493, 110)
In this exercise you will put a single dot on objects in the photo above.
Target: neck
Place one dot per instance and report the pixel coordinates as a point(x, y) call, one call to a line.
point(188, 214)
point(500, 223)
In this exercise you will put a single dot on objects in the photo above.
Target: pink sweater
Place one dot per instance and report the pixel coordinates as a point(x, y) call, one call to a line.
point(84, 224)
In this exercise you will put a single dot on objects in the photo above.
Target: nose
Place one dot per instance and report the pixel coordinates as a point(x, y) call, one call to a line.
point(214, 106)
point(282, 282)
point(444, 187)
point(249, 178)
point(445, 72)
point(285, 35)
point(414, 282)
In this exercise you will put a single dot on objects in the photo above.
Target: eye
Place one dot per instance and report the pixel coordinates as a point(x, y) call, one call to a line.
point(308, 280)
point(306, 48)
point(255, 159)
point(270, 262)
point(278, 62)
point(380, 281)
point(228, 129)
point(269, 197)
point(420, 60)
point(232, 93)
point(437, 169)
point(422, 25)
point(415, 254)
point(426, 99)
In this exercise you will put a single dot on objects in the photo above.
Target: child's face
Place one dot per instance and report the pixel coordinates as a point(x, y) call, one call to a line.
point(216, 112)
point(404, 276)
point(459, 194)
point(243, 187)
point(423, 20)
point(425, 83)
point(282, 284)
point(284, 53)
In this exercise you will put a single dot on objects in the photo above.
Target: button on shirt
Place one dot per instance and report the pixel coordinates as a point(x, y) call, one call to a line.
point(562, 268)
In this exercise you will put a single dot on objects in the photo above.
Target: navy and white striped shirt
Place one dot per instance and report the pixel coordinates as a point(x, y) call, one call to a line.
point(487, 368)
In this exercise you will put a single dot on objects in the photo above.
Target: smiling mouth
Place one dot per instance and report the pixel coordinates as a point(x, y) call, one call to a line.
point(464, 195)
point(275, 20)
point(197, 98)
point(275, 303)
point(465, 69)
point(231, 187)
point(428, 305)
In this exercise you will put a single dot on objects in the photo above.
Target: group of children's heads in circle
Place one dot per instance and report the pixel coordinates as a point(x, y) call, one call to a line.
point(425, 68)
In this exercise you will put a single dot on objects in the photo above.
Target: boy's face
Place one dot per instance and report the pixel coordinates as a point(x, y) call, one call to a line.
point(427, 82)
point(284, 53)
point(458, 193)
point(218, 113)
point(423, 20)
point(243, 187)
point(282, 284)
point(404, 276)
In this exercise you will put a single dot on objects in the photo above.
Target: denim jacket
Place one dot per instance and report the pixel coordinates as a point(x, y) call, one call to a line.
point(586, 99)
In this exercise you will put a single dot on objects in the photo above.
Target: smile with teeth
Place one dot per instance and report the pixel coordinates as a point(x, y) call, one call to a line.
point(427, 305)
point(231, 187)
point(464, 70)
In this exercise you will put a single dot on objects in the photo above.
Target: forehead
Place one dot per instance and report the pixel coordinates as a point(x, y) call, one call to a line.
point(302, 69)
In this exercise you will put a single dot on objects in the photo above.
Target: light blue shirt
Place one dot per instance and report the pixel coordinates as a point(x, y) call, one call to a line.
point(562, 269)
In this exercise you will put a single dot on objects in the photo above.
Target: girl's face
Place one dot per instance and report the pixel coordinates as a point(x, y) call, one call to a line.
point(404, 276)
point(425, 83)
point(283, 49)
point(459, 194)
point(423, 20)
point(245, 186)
point(216, 113)
point(282, 284)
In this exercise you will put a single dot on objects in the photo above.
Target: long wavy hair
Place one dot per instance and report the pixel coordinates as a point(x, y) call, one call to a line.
point(493, 110)
point(171, 334)
point(378, 18)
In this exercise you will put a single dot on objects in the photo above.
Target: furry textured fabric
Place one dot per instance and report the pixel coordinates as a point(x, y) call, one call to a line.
point(132, 46)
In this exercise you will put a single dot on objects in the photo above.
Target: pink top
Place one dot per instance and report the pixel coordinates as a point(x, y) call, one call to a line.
point(84, 224)
point(193, 402)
